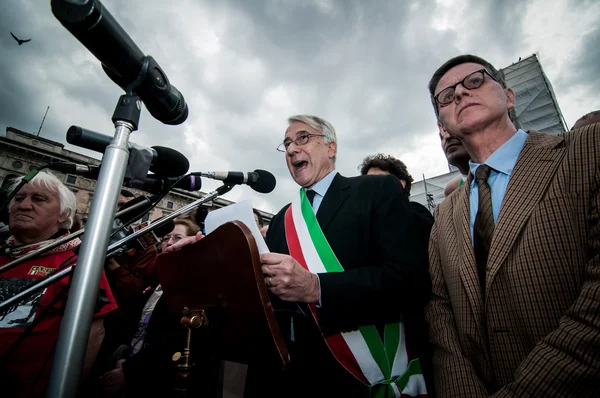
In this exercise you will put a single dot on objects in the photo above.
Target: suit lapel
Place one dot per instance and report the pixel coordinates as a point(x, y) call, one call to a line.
point(466, 264)
point(336, 195)
point(533, 172)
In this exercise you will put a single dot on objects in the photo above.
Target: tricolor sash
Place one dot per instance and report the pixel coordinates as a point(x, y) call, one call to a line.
point(383, 366)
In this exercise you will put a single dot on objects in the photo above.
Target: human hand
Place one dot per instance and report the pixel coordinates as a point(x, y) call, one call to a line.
point(113, 381)
point(287, 279)
point(263, 231)
point(184, 242)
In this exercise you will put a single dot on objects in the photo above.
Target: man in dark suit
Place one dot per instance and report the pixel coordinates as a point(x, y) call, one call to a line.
point(359, 266)
point(387, 164)
point(514, 252)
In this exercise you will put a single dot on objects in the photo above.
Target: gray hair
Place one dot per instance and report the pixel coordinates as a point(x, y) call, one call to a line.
point(319, 124)
point(461, 59)
point(66, 198)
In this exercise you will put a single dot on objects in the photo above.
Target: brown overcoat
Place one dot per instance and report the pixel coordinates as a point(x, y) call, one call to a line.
point(537, 333)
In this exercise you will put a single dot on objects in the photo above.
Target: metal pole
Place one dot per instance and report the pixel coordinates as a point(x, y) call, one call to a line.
point(40, 129)
point(76, 324)
point(426, 193)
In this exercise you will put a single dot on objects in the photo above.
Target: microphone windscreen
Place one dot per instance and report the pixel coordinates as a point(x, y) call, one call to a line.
point(189, 183)
point(169, 162)
point(164, 229)
point(133, 215)
point(266, 182)
point(200, 216)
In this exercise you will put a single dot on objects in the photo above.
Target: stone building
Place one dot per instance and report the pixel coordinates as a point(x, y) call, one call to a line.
point(21, 152)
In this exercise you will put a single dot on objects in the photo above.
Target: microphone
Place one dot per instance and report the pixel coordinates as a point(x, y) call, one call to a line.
point(119, 231)
point(259, 180)
point(187, 183)
point(77, 169)
point(122, 60)
point(139, 212)
point(165, 161)
point(151, 184)
point(144, 241)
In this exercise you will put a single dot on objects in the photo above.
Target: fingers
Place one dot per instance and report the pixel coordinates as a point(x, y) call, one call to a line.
point(184, 242)
point(272, 258)
point(279, 265)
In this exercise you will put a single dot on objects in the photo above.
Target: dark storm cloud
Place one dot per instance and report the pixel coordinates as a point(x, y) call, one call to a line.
point(586, 68)
point(245, 66)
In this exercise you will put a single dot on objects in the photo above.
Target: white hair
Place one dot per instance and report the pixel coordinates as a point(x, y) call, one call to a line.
point(66, 198)
point(319, 124)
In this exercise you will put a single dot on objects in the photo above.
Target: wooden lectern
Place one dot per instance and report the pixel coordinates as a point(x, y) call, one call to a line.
point(217, 284)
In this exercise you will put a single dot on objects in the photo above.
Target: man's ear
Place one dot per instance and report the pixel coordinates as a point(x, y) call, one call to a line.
point(510, 98)
point(442, 130)
point(332, 151)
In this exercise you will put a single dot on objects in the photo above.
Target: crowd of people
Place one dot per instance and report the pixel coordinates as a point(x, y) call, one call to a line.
point(497, 294)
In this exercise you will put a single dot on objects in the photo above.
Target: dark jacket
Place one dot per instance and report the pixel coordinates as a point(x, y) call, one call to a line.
point(370, 226)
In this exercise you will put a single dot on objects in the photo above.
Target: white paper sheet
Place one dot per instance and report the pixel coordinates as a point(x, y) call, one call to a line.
point(241, 211)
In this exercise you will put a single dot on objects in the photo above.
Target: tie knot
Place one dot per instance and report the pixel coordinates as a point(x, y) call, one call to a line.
point(483, 173)
point(310, 194)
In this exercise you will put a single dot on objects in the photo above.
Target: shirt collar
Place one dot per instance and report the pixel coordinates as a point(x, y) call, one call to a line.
point(503, 160)
point(323, 184)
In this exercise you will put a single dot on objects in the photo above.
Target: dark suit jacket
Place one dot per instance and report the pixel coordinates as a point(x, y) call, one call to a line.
point(370, 226)
point(424, 222)
point(537, 333)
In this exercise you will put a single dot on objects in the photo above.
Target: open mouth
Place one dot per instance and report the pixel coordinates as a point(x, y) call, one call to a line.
point(299, 165)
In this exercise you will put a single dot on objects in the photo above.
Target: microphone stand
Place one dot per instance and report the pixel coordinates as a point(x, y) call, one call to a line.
point(49, 280)
point(76, 323)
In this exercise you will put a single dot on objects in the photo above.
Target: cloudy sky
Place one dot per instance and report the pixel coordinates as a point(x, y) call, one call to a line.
point(245, 66)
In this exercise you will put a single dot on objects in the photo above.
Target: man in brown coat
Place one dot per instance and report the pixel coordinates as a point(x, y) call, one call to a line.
point(514, 253)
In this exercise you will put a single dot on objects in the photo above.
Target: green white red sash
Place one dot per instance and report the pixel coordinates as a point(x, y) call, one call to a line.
point(385, 367)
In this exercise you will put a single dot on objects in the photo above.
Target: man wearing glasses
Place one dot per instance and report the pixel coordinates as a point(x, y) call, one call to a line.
point(345, 271)
point(514, 253)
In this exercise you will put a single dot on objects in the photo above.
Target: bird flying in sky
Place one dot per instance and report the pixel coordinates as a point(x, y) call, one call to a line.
point(19, 40)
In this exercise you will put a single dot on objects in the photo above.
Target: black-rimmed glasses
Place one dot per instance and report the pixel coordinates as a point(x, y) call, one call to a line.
point(472, 81)
point(301, 140)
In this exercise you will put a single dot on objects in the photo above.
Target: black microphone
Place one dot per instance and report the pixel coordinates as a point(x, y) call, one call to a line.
point(77, 169)
point(144, 241)
point(260, 180)
point(152, 184)
point(139, 212)
point(122, 60)
point(155, 185)
point(165, 161)
point(119, 231)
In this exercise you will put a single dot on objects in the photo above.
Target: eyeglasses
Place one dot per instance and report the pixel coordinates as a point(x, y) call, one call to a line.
point(176, 238)
point(301, 140)
point(472, 81)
